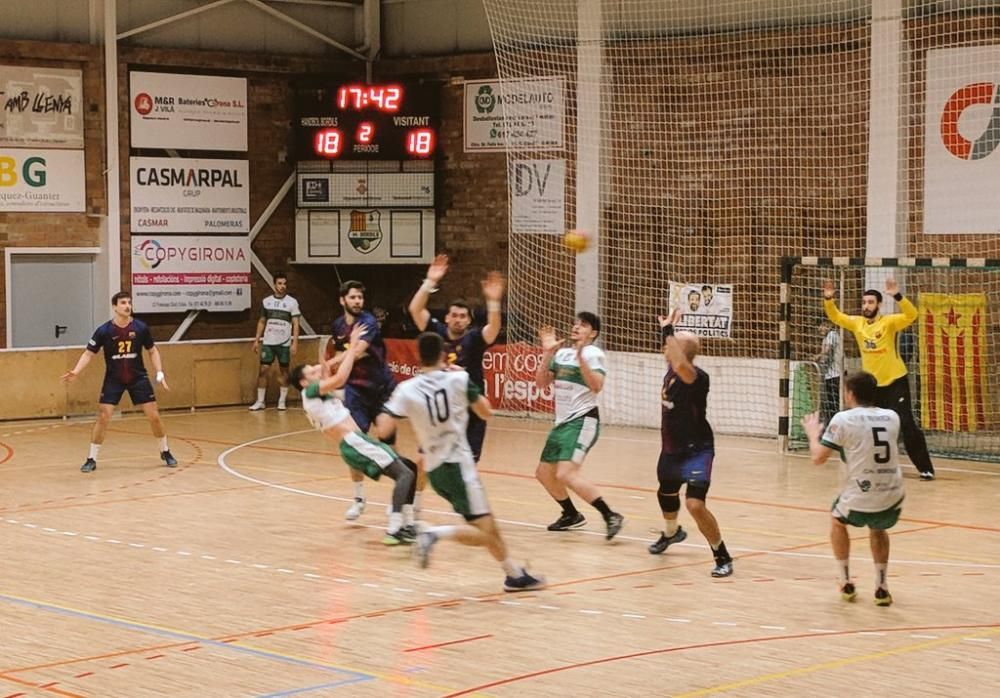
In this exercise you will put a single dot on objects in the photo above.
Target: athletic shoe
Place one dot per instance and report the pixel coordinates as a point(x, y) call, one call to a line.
point(615, 523)
point(848, 592)
point(928, 476)
point(89, 466)
point(168, 458)
point(425, 541)
point(281, 406)
point(525, 582)
point(404, 536)
point(566, 522)
point(355, 510)
point(883, 597)
point(723, 568)
point(257, 406)
point(665, 542)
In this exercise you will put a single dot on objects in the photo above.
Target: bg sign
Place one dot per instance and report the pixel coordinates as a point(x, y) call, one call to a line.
point(42, 180)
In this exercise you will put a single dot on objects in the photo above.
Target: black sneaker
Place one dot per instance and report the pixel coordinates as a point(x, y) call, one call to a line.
point(89, 466)
point(723, 568)
point(525, 582)
point(566, 522)
point(169, 459)
point(665, 542)
point(615, 523)
point(883, 597)
point(927, 476)
point(848, 592)
point(404, 536)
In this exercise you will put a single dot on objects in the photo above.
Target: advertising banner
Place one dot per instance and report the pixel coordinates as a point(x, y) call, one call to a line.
point(181, 195)
point(707, 308)
point(197, 112)
point(40, 107)
point(187, 272)
point(42, 180)
point(538, 196)
point(520, 114)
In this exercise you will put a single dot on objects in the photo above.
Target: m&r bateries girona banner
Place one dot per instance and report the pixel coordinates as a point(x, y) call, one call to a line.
point(40, 107)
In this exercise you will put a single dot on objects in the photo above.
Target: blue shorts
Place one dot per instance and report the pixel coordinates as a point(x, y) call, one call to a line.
point(140, 390)
point(692, 467)
point(365, 404)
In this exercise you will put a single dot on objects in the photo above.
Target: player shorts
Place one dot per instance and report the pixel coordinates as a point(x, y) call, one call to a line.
point(459, 484)
point(270, 352)
point(140, 390)
point(365, 404)
point(366, 455)
point(570, 441)
point(879, 520)
point(692, 467)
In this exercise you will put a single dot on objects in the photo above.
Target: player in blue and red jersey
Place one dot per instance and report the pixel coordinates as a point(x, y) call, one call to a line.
point(122, 340)
point(688, 445)
point(464, 343)
point(370, 383)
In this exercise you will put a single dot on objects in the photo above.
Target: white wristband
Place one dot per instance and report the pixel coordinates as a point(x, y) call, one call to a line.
point(159, 376)
point(428, 286)
point(493, 306)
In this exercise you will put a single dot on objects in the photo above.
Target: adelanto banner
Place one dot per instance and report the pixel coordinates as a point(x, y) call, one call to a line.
point(190, 272)
point(183, 195)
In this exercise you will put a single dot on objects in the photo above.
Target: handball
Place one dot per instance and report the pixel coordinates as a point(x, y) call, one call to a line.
point(576, 240)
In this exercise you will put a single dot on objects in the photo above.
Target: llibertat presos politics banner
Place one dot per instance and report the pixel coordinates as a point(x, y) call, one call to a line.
point(185, 195)
point(174, 273)
point(196, 112)
point(41, 107)
point(961, 139)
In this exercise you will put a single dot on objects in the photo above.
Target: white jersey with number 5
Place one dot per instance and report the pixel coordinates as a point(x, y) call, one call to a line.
point(866, 438)
point(437, 404)
point(573, 396)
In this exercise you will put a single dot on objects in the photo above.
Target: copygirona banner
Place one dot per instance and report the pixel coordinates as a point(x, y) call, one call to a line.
point(508, 369)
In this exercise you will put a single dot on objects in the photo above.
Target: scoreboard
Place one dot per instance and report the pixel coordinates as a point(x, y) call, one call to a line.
point(365, 121)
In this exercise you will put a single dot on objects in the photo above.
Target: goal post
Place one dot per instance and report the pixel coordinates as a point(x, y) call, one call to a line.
point(949, 350)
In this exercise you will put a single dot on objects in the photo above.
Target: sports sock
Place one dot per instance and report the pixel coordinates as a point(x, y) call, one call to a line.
point(417, 496)
point(511, 569)
point(881, 578)
point(569, 509)
point(163, 444)
point(602, 507)
point(94, 450)
point(443, 532)
point(395, 521)
point(843, 573)
point(670, 527)
point(260, 394)
point(408, 516)
point(720, 552)
point(282, 394)
point(359, 490)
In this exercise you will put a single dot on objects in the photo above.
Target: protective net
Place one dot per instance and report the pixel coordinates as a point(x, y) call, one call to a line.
point(708, 141)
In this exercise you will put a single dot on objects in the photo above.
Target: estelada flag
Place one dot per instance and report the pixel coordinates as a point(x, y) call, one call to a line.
point(953, 361)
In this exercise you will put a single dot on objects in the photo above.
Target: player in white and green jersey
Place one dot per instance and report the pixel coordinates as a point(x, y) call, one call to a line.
point(437, 402)
point(361, 452)
point(577, 374)
point(872, 490)
point(277, 337)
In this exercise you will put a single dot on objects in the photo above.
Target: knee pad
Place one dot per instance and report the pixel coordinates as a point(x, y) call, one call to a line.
point(669, 503)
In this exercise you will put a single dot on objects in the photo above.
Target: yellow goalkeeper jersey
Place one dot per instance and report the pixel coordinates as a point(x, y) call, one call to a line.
point(877, 339)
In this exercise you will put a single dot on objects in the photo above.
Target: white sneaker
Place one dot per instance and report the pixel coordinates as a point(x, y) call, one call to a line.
point(355, 510)
point(281, 406)
point(256, 406)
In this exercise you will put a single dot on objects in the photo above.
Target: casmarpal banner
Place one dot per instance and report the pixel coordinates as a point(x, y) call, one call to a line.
point(183, 195)
point(47, 181)
point(40, 107)
point(175, 273)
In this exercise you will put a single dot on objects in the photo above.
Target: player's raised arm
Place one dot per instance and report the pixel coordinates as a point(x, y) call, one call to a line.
point(493, 288)
point(908, 311)
point(814, 431)
point(550, 345)
point(418, 305)
point(339, 379)
point(830, 307)
point(679, 348)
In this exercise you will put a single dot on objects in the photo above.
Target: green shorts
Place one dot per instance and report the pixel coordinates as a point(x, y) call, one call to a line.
point(270, 352)
point(879, 520)
point(459, 484)
point(364, 454)
point(570, 441)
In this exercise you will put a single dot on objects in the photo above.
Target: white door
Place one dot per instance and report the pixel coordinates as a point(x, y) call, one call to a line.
point(51, 299)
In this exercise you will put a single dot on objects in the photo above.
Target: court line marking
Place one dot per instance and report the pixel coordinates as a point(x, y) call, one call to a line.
point(989, 628)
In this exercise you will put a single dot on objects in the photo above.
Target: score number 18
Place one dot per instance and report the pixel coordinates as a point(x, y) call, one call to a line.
point(419, 142)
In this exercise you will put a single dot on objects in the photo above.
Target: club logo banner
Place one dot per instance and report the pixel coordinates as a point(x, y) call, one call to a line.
point(953, 361)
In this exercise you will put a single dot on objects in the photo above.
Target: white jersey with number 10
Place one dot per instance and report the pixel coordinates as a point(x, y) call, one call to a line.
point(437, 404)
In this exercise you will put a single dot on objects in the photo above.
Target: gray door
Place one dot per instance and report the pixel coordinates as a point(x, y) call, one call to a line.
point(52, 299)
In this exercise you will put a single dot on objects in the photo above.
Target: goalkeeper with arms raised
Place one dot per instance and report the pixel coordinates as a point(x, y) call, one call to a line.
point(876, 337)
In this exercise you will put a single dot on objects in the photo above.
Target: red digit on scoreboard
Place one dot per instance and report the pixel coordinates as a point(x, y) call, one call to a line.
point(366, 132)
point(328, 143)
point(420, 142)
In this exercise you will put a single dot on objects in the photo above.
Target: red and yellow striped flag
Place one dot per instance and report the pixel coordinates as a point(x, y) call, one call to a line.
point(952, 361)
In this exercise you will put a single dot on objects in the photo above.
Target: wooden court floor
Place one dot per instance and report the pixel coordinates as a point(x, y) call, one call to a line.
point(235, 574)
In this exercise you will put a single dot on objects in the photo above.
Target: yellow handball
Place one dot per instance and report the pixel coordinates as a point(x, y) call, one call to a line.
point(576, 240)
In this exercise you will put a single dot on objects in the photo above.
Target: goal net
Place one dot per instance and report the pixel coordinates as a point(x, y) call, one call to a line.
point(700, 144)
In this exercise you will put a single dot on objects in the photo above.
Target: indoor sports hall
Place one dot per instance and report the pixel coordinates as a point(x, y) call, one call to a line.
point(609, 205)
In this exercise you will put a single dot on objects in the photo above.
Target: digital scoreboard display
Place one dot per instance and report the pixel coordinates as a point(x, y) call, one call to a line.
point(362, 121)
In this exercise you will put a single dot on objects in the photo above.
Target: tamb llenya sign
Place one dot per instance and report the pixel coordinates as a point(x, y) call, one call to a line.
point(40, 107)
